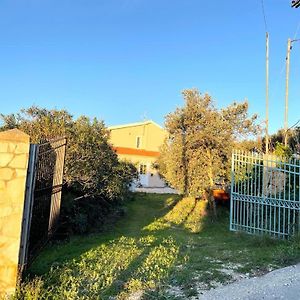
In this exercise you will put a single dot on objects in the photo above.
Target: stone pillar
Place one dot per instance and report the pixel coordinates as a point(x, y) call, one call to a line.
point(14, 155)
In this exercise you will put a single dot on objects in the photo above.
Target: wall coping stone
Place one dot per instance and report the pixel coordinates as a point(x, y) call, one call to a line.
point(15, 135)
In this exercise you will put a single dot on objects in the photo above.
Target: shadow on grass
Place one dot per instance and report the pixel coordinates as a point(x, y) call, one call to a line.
point(143, 209)
point(129, 257)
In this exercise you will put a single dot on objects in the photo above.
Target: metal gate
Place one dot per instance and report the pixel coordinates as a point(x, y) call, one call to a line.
point(43, 196)
point(265, 194)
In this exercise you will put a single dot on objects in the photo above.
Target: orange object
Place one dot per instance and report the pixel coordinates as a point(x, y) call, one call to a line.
point(221, 195)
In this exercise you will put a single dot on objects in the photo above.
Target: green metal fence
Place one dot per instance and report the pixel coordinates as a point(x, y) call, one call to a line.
point(265, 194)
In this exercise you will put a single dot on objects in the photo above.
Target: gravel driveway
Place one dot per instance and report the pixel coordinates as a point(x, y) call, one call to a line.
point(279, 284)
point(161, 190)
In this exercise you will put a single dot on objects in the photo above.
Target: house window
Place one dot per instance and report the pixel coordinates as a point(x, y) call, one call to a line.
point(138, 141)
point(143, 169)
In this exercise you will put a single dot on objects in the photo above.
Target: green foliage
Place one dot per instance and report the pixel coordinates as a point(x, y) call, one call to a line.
point(29, 291)
point(189, 212)
point(89, 214)
point(79, 222)
point(201, 137)
point(293, 139)
point(41, 124)
point(283, 151)
point(288, 254)
point(249, 145)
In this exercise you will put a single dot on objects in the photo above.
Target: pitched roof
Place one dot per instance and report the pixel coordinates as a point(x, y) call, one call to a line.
point(134, 125)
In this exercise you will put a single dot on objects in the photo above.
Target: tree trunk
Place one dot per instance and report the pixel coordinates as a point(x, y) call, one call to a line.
point(211, 199)
point(184, 163)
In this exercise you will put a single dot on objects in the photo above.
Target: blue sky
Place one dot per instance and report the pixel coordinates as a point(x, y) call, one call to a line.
point(125, 60)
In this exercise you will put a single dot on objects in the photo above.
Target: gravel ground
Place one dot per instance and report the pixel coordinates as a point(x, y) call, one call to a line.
point(162, 190)
point(279, 284)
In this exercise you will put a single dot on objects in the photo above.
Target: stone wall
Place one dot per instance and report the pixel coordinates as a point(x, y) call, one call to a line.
point(14, 155)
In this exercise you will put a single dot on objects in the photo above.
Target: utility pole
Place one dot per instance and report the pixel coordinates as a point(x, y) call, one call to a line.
point(287, 92)
point(267, 92)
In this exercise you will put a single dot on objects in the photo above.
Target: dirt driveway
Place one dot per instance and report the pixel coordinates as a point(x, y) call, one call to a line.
point(158, 190)
point(279, 284)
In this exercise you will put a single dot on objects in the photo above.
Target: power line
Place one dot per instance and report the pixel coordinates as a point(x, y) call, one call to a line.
point(267, 76)
point(264, 15)
point(267, 92)
point(294, 38)
point(296, 32)
point(294, 125)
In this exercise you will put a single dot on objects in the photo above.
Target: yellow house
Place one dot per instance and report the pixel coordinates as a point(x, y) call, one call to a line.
point(139, 143)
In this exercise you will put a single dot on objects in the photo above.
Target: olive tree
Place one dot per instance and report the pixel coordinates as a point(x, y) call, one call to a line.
point(197, 151)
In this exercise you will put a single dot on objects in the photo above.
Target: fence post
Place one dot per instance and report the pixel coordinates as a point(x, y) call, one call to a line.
point(27, 214)
point(231, 189)
point(14, 153)
point(57, 184)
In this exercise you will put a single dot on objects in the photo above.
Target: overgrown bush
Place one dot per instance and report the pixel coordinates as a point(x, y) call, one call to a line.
point(93, 172)
point(88, 214)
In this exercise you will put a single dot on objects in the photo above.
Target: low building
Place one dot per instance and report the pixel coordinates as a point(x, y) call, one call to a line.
point(139, 143)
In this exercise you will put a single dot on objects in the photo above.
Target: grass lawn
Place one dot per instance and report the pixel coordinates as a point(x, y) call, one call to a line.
point(164, 247)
